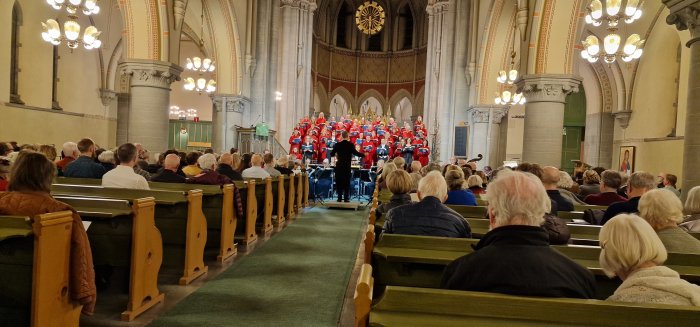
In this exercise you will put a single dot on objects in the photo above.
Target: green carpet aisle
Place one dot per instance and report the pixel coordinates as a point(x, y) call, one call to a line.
point(297, 278)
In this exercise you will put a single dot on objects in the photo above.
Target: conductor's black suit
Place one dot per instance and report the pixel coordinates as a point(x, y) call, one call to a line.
point(345, 150)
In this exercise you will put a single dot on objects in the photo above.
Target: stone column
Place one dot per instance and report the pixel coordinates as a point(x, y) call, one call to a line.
point(294, 70)
point(544, 116)
point(485, 132)
point(149, 99)
point(227, 114)
point(685, 14)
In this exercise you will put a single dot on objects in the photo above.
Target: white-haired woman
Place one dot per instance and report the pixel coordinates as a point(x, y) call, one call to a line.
point(631, 250)
point(691, 222)
point(209, 175)
point(663, 211)
point(566, 186)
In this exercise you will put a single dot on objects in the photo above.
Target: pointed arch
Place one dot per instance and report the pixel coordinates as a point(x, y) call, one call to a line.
point(372, 93)
point(142, 28)
point(321, 95)
point(398, 96)
point(346, 95)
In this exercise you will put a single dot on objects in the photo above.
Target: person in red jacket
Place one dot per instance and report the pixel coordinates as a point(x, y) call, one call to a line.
point(424, 153)
point(398, 150)
point(295, 141)
point(296, 153)
point(354, 134)
point(368, 148)
point(406, 131)
point(321, 119)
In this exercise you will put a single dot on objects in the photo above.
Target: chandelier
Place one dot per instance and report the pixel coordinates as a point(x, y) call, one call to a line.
point(200, 85)
point(177, 113)
point(191, 113)
point(200, 66)
point(506, 80)
point(610, 13)
point(89, 7)
point(51, 29)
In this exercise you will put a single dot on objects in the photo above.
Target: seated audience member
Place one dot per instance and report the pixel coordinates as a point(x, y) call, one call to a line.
point(514, 257)
point(256, 170)
point(632, 251)
point(226, 168)
point(4, 173)
point(208, 176)
point(400, 163)
point(691, 222)
point(283, 166)
point(622, 191)
point(664, 211)
point(30, 195)
point(123, 176)
point(610, 181)
point(429, 217)
point(639, 183)
point(49, 151)
point(668, 182)
point(5, 149)
point(169, 172)
point(400, 185)
point(386, 171)
point(591, 184)
point(192, 168)
point(457, 195)
point(70, 152)
point(416, 166)
point(476, 184)
point(430, 167)
point(568, 188)
point(270, 165)
point(85, 166)
point(107, 160)
point(140, 171)
point(245, 162)
point(550, 178)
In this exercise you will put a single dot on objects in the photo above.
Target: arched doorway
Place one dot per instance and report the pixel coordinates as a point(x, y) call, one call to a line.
point(338, 106)
point(573, 133)
point(403, 111)
point(371, 105)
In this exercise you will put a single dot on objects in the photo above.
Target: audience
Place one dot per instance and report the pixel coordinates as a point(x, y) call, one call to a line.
point(5, 149)
point(664, 211)
point(208, 174)
point(169, 172)
point(123, 176)
point(4, 173)
point(476, 184)
point(515, 257)
point(386, 171)
point(639, 183)
point(429, 217)
point(269, 165)
point(536, 170)
point(245, 162)
point(550, 178)
point(457, 195)
point(85, 166)
point(668, 182)
point(400, 185)
point(226, 165)
point(691, 223)
point(591, 183)
point(568, 188)
point(49, 151)
point(192, 168)
point(632, 251)
point(283, 166)
point(106, 159)
point(256, 170)
point(30, 195)
point(610, 182)
point(400, 163)
point(69, 153)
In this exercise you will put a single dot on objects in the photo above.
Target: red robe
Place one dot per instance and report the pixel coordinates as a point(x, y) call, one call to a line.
point(293, 145)
point(320, 120)
point(368, 160)
point(354, 134)
point(424, 155)
point(297, 155)
point(405, 133)
point(398, 152)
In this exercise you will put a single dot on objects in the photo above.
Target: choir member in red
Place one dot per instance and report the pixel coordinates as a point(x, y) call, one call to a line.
point(375, 139)
point(383, 151)
point(377, 121)
point(368, 146)
point(424, 153)
point(368, 159)
point(398, 149)
point(417, 142)
point(419, 123)
point(294, 140)
point(296, 153)
point(321, 119)
point(339, 126)
point(321, 154)
point(354, 133)
point(406, 131)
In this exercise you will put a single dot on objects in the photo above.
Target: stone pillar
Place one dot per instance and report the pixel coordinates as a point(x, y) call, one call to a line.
point(685, 14)
point(485, 133)
point(149, 99)
point(227, 114)
point(544, 116)
point(294, 70)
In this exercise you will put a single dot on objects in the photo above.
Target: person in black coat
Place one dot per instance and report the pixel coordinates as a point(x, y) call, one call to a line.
point(225, 168)
point(344, 150)
point(169, 172)
point(515, 257)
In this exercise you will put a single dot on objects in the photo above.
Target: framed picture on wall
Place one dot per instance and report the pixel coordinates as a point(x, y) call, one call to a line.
point(627, 160)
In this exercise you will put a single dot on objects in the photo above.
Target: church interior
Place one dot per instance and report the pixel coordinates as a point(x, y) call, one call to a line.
point(604, 94)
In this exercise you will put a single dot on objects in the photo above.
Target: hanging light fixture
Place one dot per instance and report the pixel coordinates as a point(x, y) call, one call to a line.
point(610, 13)
point(191, 113)
point(201, 66)
point(506, 80)
point(51, 29)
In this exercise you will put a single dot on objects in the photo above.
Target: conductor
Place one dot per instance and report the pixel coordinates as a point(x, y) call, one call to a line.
point(345, 150)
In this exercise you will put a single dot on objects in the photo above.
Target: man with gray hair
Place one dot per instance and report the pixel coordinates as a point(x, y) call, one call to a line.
point(429, 217)
point(69, 153)
point(514, 257)
point(256, 170)
point(639, 183)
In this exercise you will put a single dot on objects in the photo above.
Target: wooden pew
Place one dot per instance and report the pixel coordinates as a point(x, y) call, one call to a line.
point(279, 198)
point(418, 261)
point(219, 210)
point(696, 235)
point(363, 295)
point(305, 194)
point(265, 199)
point(368, 242)
point(300, 192)
point(580, 234)
point(108, 245)
point(250, 210)
point(470, 211)
point(34, 264)
point(178, 216)
point(579, 207)
point(290, 190)
point(78, 181)
point(405, 306)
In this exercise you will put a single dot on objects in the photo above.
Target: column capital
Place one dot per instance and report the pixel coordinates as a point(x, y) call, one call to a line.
point(107, 96)
point(230, 102)
point(437, 6)
point(487, 113)
point(548, 87)
point(685, 14)
point(623, 117)
point(150, 73)
point(309, 5)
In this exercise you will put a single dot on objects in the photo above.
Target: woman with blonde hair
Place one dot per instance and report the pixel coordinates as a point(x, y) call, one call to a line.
point(591, 183)
point(691, 222)
point(386, 171)
point(400, 184)
point(475, 184)
point(663, 211)
point(49, 151)
point(631, 250)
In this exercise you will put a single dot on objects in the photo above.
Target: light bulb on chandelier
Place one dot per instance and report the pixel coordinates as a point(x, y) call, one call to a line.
point(200, 85)
point(612, 12)
point(508, 98)
point(88, 7)
point(51, 33)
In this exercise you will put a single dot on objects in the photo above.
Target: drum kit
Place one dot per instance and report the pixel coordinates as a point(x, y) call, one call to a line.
point(322, 183)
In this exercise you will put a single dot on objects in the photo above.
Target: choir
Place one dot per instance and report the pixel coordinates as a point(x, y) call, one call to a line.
point(378, 138)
